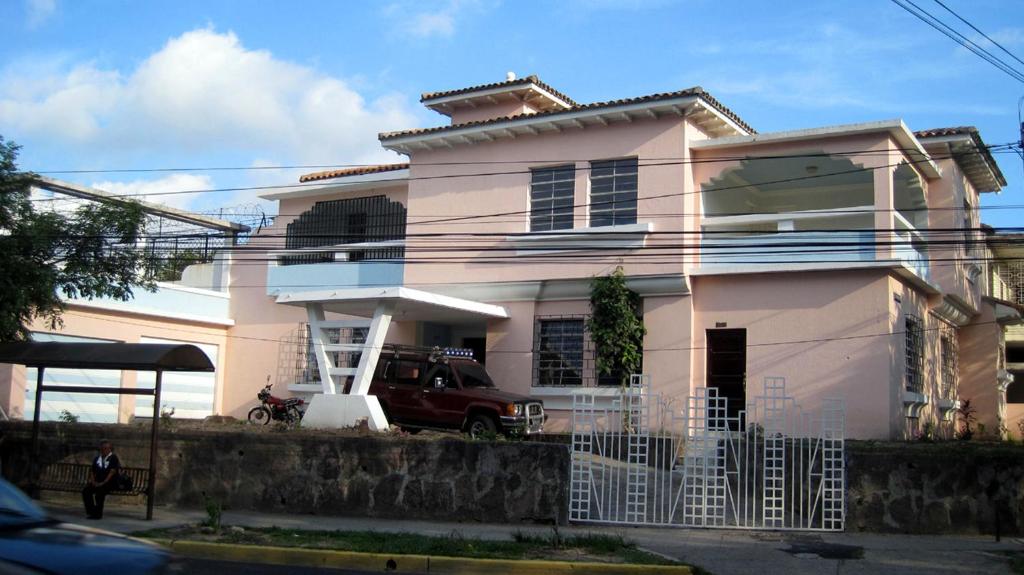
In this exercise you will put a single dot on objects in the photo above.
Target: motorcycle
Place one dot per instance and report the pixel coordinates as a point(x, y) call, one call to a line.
point(288, 410)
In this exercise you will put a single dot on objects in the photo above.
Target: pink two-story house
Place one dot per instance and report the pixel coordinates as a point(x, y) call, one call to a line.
point(848, 260)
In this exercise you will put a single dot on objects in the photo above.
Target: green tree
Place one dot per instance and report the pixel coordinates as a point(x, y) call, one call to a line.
point(616, 327)
point(89, 253)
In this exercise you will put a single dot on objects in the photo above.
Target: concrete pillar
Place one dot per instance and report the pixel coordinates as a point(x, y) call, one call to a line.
point(315, 313)
point(374, 342)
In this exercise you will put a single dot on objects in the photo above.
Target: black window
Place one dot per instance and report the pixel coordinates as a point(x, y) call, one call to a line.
point(914, 350)
point(407, 372)
point(473, 375)
point(1015, 393)
point(613, 189)
point(949, 352)
point(558, 353)
point(551, 198)
point(440, 371)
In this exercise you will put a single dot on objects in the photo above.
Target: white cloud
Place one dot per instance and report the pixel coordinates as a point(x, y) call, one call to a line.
point(430, 19)
point(39, 11)
point(155, 191)
point(433, 24)
point(202, 92)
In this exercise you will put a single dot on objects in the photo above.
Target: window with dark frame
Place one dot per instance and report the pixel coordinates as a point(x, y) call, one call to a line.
point(551, 198)
point(914, 351)
point(949, 351)
point(613, 192)
point(564, 355)
point(558, 354)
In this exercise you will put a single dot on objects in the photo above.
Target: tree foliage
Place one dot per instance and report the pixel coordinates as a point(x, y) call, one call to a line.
point(91, 252)
point(616, 326)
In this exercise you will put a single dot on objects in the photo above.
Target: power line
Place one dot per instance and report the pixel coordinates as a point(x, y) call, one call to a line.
point(952, 34)
point(453, 163)
point(992, 148)
point(975, 28)
point(510, 351)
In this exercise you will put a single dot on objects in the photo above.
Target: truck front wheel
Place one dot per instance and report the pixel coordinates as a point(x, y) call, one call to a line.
point(481, 425)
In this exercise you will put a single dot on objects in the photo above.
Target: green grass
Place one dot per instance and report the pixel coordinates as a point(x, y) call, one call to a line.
point(588, 547)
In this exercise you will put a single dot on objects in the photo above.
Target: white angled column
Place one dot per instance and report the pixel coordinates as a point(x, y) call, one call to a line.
point(315, 313)
point(374, 342)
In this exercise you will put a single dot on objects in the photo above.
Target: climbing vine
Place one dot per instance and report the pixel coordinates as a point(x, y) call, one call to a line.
point(616, 327)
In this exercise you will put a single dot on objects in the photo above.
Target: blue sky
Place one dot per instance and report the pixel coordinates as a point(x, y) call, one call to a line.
point(102, 84)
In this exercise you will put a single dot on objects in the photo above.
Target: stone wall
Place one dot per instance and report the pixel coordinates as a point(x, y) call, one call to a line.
point(298, 471)
point(951, 487)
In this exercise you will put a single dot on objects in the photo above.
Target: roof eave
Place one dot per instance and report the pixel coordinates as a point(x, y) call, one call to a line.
point(443, 104)
point(360, 183)
point(994, 180)
point(897, 128)
point(694, 106)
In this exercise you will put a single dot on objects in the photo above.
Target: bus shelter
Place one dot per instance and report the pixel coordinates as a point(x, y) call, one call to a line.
point(156, 357)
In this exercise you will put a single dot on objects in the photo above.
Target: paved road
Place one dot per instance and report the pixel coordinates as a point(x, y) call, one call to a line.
point(722, 552)
point(209, 567)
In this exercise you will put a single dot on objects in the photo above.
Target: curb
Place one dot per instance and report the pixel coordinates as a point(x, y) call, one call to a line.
point(404, 563)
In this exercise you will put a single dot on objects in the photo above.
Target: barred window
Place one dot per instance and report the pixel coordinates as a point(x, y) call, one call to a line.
point(949, 351)
point(613, 190)
point(551, 198)
point(564, 355)
point(914, 350)
point(559, 351)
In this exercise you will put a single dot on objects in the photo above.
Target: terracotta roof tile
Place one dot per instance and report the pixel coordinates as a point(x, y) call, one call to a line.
point(939, 132)
point(531, 79)
point(979, 144)
point(695, 91)
point(361, 170)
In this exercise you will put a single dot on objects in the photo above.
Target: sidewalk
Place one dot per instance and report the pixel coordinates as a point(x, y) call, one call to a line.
point(722, 552)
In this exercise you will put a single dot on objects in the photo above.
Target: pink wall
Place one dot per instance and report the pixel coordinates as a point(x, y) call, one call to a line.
point(433, 193)
point(946, 199)
point(260, 323)
point(814, 318)
point(119, 326)
point(490, 111)
point(979, 342)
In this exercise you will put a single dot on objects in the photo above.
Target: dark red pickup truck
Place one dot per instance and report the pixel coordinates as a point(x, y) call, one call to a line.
point(448, 389)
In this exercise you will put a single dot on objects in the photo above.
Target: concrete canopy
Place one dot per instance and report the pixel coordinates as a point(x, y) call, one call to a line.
point(407, 304)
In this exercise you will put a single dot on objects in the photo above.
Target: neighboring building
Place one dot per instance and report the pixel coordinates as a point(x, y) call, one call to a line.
point(190, 305)
point(1006, 280)
point(845, 259)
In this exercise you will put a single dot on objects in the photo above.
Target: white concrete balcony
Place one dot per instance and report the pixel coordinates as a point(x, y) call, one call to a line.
point(812, 239)
point(342, 266)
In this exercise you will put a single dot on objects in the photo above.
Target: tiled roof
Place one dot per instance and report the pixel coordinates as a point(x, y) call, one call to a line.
point(362, 170)
point(939, 132)
point(531, 79)
point(695, 91)
point(979, 145)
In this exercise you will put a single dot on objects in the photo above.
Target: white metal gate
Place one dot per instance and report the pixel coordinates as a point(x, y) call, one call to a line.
point(647, 460)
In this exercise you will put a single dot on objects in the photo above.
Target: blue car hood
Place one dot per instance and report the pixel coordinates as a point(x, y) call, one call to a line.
point(68, 548)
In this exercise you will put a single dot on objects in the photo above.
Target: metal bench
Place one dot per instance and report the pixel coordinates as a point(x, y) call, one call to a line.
point(75, 476)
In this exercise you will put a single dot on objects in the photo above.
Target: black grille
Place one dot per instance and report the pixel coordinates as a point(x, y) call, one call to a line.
point(356, 220)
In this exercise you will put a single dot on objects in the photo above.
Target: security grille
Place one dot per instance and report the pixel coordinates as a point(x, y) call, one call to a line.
point(551, 198)
point(355, 220)
point(914, 351)
point(561, 352)
point(613, 191)
point(949, 352)
point(643, 459)
point(1012, 273)
point(297, 362)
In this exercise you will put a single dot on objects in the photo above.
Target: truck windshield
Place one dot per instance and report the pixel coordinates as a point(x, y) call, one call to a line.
point(472, 375)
